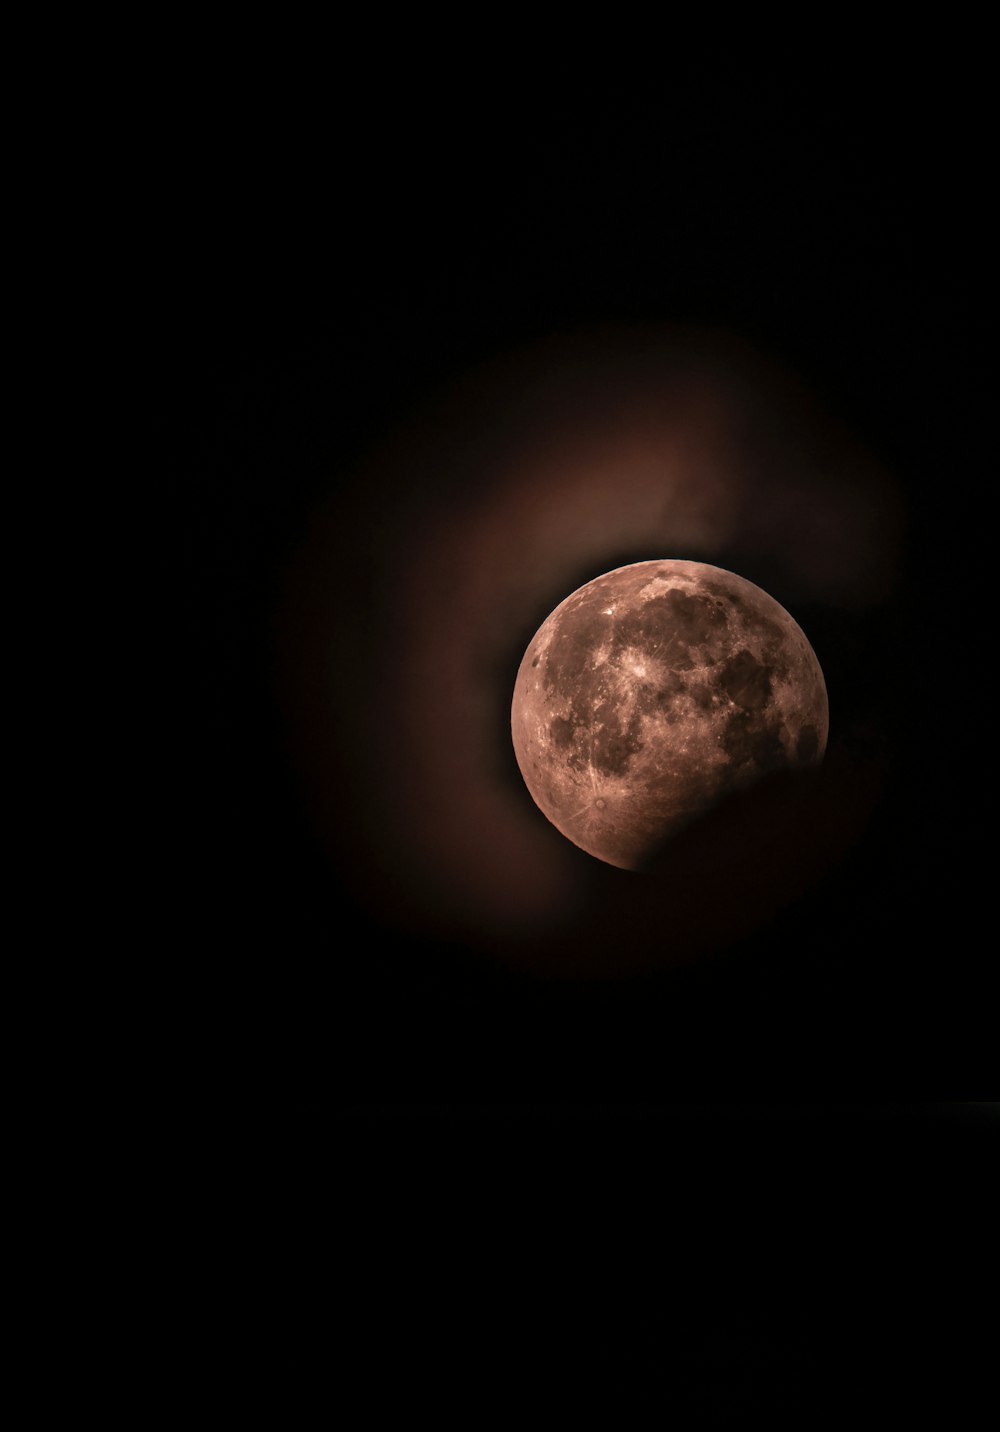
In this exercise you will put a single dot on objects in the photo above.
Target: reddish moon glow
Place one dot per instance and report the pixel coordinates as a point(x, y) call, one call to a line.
point(421, 581)
point(653, 692)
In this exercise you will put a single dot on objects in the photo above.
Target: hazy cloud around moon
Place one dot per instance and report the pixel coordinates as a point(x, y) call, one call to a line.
point(421, 583)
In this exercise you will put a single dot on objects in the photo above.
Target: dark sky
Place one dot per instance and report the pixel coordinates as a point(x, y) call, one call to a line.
point(319, 261)
point(319, 246)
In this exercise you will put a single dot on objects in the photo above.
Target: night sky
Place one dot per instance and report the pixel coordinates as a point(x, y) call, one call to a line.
point(368, 306)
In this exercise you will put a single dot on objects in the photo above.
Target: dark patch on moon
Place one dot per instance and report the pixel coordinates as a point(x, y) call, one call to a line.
point(748, 742)
point(614, 749)
point(614, 742)
point(562, 730)
point(569, 655)
point(669, 626)
point(746, 681)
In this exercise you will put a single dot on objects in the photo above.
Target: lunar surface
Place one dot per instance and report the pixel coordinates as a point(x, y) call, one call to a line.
point(653, 692)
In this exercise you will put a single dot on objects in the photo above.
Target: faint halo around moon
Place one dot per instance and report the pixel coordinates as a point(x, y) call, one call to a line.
point(653, 692)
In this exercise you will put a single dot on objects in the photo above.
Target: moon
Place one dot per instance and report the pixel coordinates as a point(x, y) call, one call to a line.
point(653, 692)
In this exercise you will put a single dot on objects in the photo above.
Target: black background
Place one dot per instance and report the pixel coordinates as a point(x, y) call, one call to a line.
point(319, 250)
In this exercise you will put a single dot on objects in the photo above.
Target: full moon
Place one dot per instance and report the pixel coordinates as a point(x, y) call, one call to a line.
point(652, 693)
